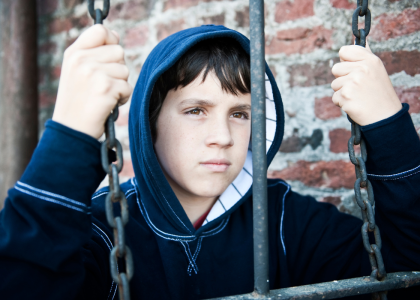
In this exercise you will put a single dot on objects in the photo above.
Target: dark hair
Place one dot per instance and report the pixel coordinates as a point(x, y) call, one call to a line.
point(224, 56)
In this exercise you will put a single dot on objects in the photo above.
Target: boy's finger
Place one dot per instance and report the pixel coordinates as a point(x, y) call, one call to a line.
point(124, 90)
point(106, 53)
point(115, 70)
point(353, 53)
point(338, 83)
point(337, 98)
point(343, 68)
point(95, 36)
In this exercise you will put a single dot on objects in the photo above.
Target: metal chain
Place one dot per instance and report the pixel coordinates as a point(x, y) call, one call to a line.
point(120, 251)
point(367, 205)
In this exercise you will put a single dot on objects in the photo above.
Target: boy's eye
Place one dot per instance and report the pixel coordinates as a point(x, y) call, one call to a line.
point(240, 115)
point(195, 111)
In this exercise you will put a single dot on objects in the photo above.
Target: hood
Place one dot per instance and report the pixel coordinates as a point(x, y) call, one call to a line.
point(156, 199)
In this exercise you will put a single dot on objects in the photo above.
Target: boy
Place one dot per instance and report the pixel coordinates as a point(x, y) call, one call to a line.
point(190, 203)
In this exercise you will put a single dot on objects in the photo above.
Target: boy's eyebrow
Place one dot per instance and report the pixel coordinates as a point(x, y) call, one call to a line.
point(203, 102)
point(242, 107)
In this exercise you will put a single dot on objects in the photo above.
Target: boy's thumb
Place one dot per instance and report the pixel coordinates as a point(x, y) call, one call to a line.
point(95, 36)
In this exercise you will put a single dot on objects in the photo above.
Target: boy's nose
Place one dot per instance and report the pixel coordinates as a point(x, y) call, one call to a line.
point(219, 135)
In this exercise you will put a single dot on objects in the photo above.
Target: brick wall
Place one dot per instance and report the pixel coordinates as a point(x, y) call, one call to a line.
point(303, 38)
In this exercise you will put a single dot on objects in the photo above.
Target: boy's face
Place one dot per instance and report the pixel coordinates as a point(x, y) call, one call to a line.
point(202, 138)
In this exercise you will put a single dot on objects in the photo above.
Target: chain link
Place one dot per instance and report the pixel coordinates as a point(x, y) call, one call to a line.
point(120, 252)
point(366, 205)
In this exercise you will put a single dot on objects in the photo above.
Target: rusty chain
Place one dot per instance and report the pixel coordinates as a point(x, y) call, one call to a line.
point(120, 250)
point(367, 205)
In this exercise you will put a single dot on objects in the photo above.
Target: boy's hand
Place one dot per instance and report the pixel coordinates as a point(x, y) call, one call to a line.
point(362, 88)
point(93, 80)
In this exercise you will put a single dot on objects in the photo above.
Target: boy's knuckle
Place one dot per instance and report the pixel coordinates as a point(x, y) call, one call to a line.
point(100, 30)
point(119, 52)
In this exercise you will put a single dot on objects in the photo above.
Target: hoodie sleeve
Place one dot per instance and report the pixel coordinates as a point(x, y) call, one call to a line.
point(46, 250)
point(324, 244)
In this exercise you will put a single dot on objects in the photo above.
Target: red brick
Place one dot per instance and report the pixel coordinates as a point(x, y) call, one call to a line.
point(127, 170)
point(394, 62)
point(328, 174)
point(299, 40)
point(165, 30)
point(45, 7)
point(325, 109)
point(338, 140)
point(136, 36)
point(216, 20)
point(306, 75)
point(391, 25)
point(292, 10)
point(131, 10)
point(410, 96)
point(343, 4)
point(334, 200)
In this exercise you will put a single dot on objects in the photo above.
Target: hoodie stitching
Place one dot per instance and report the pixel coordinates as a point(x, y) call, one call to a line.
point(197, 250)
point(105, 193)
point(109, 244)
point(208, 233)
point(394, 176)
point(51, 194)
point(194, 265)
point(189, 258)
point(153, 226)
point(282, 213)
point(168, 202)
point(98, 195)
point(52, 200)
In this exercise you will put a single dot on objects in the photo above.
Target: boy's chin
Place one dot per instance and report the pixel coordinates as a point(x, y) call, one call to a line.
point(210, 190)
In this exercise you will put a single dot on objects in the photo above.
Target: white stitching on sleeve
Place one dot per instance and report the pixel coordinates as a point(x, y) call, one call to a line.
point(52, 200)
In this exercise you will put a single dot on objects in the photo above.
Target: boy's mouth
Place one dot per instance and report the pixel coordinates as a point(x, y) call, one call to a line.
point(216, 165)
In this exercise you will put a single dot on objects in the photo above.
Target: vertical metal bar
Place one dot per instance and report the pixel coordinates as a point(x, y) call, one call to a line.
point(259, 157)
point(18, 89)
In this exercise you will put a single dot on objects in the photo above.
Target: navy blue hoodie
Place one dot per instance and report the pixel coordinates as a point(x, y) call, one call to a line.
point(55, 241)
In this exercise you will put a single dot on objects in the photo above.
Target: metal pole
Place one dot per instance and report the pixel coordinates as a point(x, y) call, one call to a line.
point(259, 157)
point(18, 89)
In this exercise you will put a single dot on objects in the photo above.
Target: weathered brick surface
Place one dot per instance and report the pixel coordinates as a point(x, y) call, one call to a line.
point(299, 40)
point(398, 61)
point(303, 38)
point(338, 140)
point(291, 10)
point(327, 174)
point(394, 25)
point(325, 109)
